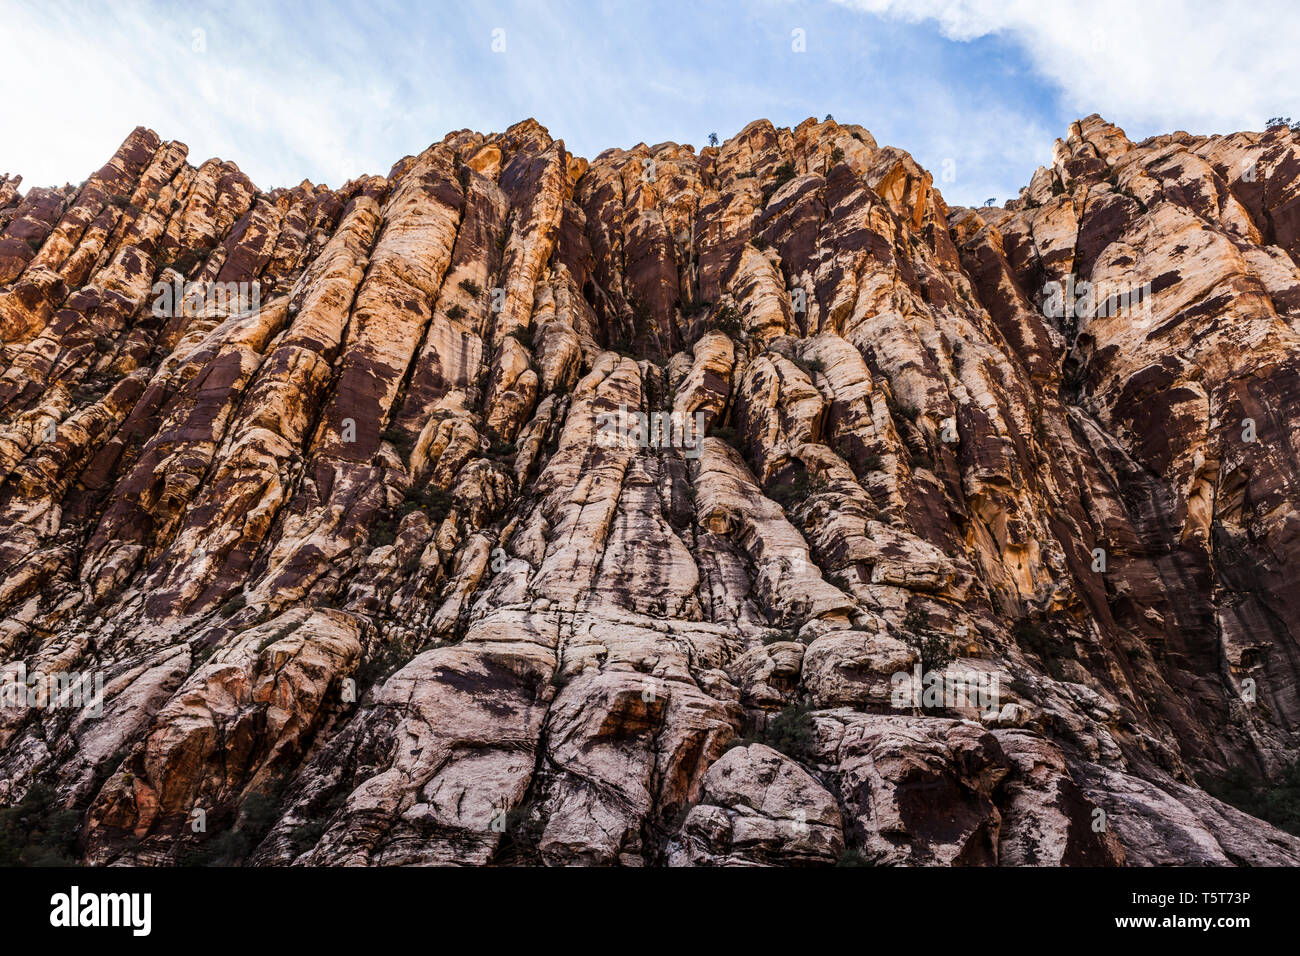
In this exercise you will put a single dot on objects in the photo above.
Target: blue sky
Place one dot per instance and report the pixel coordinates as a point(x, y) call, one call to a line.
point(327, 91)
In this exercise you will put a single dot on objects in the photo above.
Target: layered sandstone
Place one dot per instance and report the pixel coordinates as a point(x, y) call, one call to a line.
point(365, 584)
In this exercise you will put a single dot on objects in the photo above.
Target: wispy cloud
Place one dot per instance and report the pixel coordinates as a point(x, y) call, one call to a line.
point(1158, 65)
point(331, 90)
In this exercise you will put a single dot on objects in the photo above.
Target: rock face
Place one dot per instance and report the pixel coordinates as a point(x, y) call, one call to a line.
point(384, 568)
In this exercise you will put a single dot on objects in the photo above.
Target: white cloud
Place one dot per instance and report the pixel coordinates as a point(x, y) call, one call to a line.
point(338, 89)
point(1158, 65)
point(328, 91)
point(78, 81)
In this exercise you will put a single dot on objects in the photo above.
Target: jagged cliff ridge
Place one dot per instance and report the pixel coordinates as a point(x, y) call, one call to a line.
point(364, 581)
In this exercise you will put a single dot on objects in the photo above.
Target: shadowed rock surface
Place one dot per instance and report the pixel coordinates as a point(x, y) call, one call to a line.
point(365, 584)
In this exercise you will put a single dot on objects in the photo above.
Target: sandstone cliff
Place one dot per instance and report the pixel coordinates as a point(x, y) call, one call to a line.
point(364, 584)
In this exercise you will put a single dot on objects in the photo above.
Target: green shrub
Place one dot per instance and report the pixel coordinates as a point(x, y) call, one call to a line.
point(1278, 803)
point(727, 434)
point(456, 313)
point(87, 393)
point(1022, 688)
point(38, 831)
point(432, 500)
point(643, 322)
point(471, 288)
point(727, 320)
point(837, 155)
point(525, 827)
point(521, 835)
point(303, 838)
point(279, 634)
point(501, 450)
point(773, 637)
point(185, 261)
point(237, 602)
point(383, 530)
point(811, 366)
point(933, 649)
point(1031, 637)
point(853, 858)
point(899, 411)
point(792, 732)
point(780, 176)
point(307, 835)
point(399, 440)
point(797, 489)
point(384, 661)
point(232, 846)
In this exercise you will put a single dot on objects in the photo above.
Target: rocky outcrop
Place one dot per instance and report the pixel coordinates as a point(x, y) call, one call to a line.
point(748, 506)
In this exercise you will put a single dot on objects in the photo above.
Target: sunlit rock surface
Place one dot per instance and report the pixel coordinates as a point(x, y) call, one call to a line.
point(366, 581)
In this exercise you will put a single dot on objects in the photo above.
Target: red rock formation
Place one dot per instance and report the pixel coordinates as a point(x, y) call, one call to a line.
point(366, 582)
